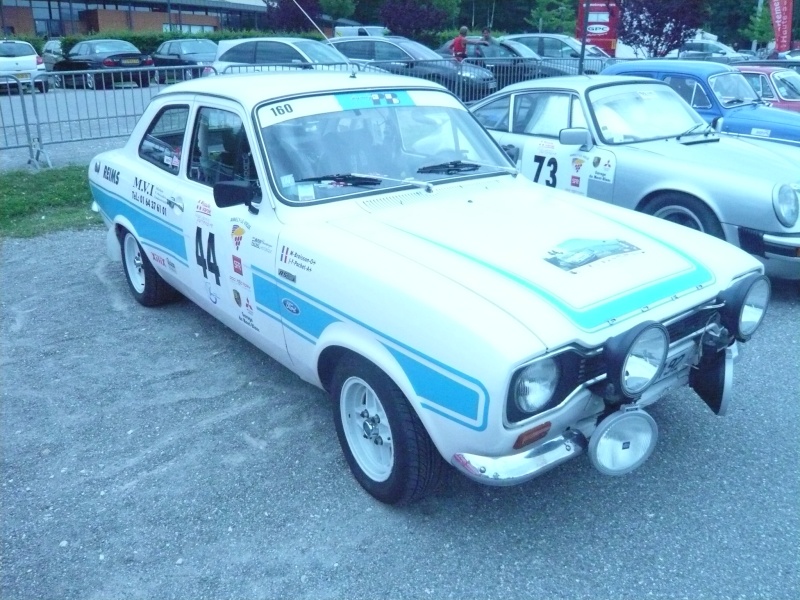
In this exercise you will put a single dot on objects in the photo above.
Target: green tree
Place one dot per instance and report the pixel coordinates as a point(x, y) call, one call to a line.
point(553, 16)
point(658, 26)
point(760, 26)
point(338, 9)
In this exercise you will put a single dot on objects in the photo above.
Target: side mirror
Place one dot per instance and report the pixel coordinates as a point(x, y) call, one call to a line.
point(233, 193)
point(717, 124)
point(576, 136)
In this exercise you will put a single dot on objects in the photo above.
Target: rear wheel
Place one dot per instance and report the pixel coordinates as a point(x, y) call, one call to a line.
point(146, 285)
point(143, 79)
point(89, 81)
point(383, 440)
point(687, 211)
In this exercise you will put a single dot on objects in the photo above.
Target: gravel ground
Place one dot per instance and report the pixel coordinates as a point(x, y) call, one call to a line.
point(152, 453)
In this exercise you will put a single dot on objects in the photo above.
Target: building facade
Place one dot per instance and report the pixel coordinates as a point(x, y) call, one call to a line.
point(53, 18)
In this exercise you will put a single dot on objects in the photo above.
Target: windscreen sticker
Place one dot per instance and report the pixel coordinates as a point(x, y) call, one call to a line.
point(363, 100)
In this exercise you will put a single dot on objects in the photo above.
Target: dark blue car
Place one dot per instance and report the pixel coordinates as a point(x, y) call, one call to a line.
point(719, 90)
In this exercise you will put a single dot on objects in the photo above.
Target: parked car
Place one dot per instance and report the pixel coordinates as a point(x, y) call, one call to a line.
point(779, 87)
point(366, 232)
point(509, 61)
point(598, 136)
point(718, 90)
point(177, 54)
point(21, 65)
point(269, 53)
point(103, 63)
point(52, 53)
point(402, 56)
point(563, 48)
point(790, 55)
point(712, 49)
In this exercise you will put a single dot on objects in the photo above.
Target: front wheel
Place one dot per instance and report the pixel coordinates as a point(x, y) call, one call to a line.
point(146, 285)
point(383, 440)
point(687, 211)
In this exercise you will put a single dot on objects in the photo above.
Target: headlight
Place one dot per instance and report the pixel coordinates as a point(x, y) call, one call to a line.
point(535, 384)
point(745, 306)
point(469, 74)
point(786, 204)
point(636, 358)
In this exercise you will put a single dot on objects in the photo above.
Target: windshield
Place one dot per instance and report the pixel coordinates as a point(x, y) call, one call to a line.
point(318, 52)
point(732, 89)
point(199, 47)
point(325, 148)
point(596, 51)
point(788, 84)
point(636, 112)
point(8, 49)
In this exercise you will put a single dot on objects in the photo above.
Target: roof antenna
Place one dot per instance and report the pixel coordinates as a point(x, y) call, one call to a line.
point(322, 33)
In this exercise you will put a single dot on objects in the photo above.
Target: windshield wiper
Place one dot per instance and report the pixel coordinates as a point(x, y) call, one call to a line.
point(733, 101)
point(459, 166)
point(353, 179)
point(693, 129)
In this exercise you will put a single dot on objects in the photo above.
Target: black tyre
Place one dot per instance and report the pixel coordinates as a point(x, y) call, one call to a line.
point(145, 284)
point(687, 211)
point(383, 440)
point(89, 81)
point(143, 79)
point(43, 86)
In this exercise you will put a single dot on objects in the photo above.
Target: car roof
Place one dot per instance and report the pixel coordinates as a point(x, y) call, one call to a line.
point(579, 83)
point(244, 88)
point(561, 36)
point(226, 44)
point(700, 67)
point(761, 68)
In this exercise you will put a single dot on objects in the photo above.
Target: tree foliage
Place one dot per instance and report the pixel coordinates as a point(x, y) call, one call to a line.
point(411, 18)
point(338, 9)
point(760, 26)
point(552, 16)
point(288, 17)
point(658, 26)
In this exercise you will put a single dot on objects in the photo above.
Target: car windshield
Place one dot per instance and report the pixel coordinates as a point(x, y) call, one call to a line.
point(596, 51)
point(788, 84)
point(625, 113)
point(325, 148)
point(9, 49)
point(732, 89)
point(199, 47)
point(318, 52)
point(113, 46)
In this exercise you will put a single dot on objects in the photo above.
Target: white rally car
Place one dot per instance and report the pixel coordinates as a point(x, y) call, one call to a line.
point(367, 233)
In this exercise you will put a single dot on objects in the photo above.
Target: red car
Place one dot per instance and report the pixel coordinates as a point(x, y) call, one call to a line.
point(777, 85)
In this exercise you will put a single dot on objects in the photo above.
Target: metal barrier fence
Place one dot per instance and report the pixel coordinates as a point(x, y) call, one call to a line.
point(71, 106)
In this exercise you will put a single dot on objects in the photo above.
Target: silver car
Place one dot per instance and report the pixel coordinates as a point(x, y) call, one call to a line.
point(636, 143)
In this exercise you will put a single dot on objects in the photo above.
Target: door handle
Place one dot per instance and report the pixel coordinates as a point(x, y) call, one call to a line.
point(175, 203)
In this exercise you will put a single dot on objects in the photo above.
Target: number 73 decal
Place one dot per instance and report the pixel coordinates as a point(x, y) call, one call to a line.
point(552, 164)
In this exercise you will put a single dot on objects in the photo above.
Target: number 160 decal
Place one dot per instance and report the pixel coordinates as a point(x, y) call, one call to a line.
point(206, 259)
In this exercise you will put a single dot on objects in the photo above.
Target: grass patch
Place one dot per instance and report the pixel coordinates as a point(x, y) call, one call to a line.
point(33, 203)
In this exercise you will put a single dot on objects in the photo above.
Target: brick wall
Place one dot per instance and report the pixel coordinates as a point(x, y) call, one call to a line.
point(109, 20)
point(20, 18)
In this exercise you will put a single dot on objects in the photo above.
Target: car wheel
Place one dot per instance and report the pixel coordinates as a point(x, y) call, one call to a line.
point(383, 440)
point(42, 86)
point(89, 82)
point(687, 211)
point(57, 81)
point(143, 80)
point(147, 286)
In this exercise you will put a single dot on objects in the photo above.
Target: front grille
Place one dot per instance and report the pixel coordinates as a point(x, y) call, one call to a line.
point(689, 324)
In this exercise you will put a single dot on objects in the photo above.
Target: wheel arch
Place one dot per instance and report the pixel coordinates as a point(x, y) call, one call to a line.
point(654, 195)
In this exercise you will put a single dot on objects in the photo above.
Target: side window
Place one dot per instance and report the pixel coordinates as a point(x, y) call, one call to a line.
point(357, 50)
point(543, 114)
point(389, 52)
point(552, 48)
point(241, 53)
point(220, 149)
point(766, 88)
point(278, 53)
point(495, 114)
point(162, 145)
point(690, 90)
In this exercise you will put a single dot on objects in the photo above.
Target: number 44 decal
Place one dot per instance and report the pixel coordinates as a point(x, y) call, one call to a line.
point(552, 164)
point(208, 259)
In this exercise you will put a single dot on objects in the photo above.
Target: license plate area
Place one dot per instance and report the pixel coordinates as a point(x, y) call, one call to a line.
point(22, 75)
point(680, 356)
point(130, 61)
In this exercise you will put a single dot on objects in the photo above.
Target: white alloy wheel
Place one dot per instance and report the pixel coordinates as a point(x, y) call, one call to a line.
point(367, 429)
point(134, 265)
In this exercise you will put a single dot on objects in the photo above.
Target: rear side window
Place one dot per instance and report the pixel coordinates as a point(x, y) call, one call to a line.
point(357, 50)
point(162, 145)
point(9, 49)
point(241, 53)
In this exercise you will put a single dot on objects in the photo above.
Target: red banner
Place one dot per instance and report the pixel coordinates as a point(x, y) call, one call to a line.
point(782, 23)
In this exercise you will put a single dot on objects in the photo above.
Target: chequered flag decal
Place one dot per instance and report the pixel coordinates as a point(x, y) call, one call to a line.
point(382, 99)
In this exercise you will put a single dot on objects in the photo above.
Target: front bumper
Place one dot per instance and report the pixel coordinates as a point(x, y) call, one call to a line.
point(779, 253)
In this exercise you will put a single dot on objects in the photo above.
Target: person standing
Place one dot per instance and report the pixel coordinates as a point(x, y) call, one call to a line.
point(460, 44)
point(486, 35)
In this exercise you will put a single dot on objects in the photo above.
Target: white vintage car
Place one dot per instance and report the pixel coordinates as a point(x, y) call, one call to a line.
point(367, 233)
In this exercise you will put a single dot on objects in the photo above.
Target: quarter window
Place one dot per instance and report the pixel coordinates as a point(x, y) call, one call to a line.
point(162, 145)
